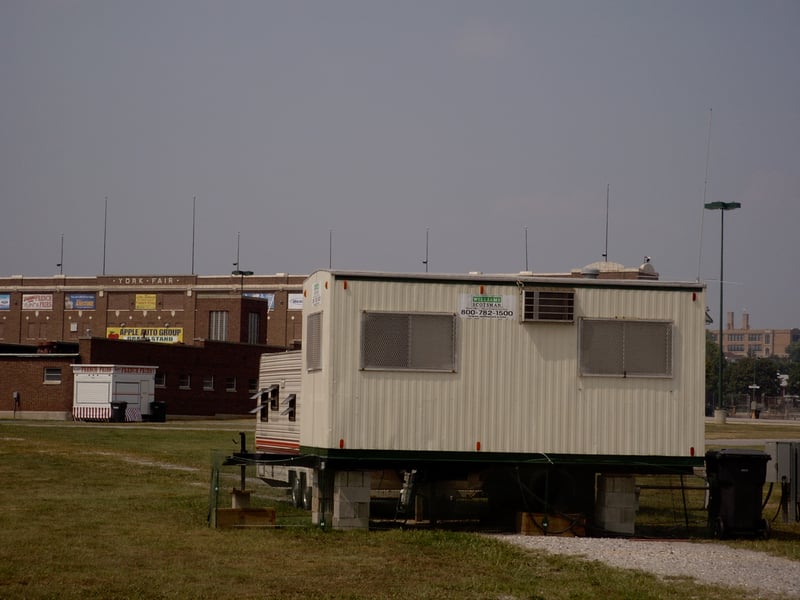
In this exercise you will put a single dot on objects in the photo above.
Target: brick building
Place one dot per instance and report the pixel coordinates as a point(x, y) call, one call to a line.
point(204, 333)
point(739, 342)
point(257, 309)
point(204, 379)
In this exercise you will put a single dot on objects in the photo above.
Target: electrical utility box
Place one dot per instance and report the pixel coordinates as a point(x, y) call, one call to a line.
point(784, 468)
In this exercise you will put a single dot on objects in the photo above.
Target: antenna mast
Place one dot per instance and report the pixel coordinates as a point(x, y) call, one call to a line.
point(60, 265)
point(605, 251)
point(194, 202)
point(526, 248)
point(425, 262)
point(105, 229)
point(705, 188)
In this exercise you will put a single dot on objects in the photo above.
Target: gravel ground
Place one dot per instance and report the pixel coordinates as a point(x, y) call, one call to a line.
point(762, 575)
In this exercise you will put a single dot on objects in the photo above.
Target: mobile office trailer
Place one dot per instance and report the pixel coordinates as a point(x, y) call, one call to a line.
point(98, 387)
point(409, 365)
point(528, 385)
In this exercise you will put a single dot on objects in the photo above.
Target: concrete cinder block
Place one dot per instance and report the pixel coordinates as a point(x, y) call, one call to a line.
point(616, 483)
point(351, 494)
point(625, 500)
point(339, 523)
point(616, 520)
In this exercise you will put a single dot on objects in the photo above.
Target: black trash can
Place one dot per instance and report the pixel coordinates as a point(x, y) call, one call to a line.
point(118, 412)
point(158, 411)
point(736, 482)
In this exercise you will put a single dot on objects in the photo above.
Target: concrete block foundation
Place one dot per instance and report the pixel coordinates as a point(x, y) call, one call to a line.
point(616, 503)
point(342, 497)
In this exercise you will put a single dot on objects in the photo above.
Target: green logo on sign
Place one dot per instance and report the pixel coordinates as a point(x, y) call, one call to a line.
point(492, 299)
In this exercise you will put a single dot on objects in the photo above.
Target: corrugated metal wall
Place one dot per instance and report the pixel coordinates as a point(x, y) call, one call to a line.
point(517, 387)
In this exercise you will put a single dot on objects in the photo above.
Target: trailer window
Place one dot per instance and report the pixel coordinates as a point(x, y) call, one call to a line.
point(291, 407)
point(408, 341)
point(626, 348)
point(274, 394)
point(314, 342)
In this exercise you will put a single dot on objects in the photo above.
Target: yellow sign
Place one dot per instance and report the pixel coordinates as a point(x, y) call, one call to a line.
point(145, 301)
point(162, 335)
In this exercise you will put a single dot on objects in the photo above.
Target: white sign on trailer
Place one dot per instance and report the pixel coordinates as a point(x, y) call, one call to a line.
point(485, 306)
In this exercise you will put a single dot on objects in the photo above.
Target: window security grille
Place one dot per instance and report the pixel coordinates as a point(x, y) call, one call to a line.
point(548, 305)
point(253, 327)
point(218, 325)
point(626, 348)
point(408, 341)
point(314, 342)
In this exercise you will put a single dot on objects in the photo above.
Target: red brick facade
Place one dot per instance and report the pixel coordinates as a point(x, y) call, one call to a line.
point(233, 369)
point(34, 310)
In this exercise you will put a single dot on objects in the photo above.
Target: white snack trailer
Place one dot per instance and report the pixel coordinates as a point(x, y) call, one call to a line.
point(97, 387)
point(495, 379)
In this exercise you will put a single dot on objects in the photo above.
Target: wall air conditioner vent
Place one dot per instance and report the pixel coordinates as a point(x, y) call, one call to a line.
point(548, 305)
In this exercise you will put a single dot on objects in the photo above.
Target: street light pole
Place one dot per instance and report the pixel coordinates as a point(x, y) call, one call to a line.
point(721, 207)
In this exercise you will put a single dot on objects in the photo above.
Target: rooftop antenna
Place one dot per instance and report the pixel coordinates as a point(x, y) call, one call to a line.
point(705, 189)
point(194, 202)
point(105, 229)
point(526, 248)
point(425, 262)
point(605, 251)
point(60, 264)
point(236, 264)
point(330, 248)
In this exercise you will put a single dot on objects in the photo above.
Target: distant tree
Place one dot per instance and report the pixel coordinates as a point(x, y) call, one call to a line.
point(712, 371)
point(793, 350)
point(794, 379)
point(743, 373)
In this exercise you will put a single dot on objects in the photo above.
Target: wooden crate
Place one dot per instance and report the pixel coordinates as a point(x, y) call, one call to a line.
point(557, 525)
point(228, 518)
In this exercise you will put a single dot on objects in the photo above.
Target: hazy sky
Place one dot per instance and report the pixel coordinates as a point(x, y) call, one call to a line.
point(376, 120)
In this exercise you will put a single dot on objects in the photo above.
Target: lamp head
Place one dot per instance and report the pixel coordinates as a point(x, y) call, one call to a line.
point(722, 205)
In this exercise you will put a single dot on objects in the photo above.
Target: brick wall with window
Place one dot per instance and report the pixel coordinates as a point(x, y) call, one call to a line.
point(27, 375)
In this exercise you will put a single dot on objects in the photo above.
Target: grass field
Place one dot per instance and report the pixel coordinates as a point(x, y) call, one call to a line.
point(99, 511)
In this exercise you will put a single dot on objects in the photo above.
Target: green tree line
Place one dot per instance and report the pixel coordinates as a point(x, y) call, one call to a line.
point(740, 374)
